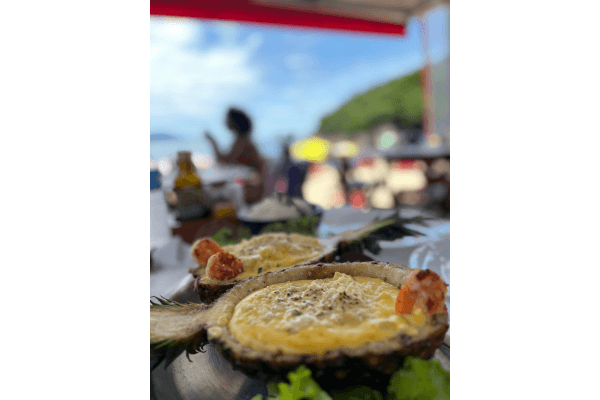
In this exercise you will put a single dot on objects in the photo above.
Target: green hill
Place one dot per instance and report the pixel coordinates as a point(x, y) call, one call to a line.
point(399, 101)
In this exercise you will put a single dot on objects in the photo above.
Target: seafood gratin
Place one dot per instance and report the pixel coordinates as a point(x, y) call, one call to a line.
point(348, 316)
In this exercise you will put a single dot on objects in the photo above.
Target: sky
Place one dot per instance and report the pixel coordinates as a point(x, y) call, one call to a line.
point(286, 79)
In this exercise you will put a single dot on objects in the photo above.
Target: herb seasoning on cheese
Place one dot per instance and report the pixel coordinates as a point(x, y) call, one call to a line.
point(274, 251)
point(315, 316)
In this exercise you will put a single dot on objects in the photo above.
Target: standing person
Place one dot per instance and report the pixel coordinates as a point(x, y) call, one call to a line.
point(243, 152)
point(289, 175)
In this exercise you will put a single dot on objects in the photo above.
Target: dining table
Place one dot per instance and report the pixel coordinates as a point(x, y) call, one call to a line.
point(207, 375)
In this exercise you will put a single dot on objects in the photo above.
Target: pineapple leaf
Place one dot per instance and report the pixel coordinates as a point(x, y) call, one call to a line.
point(169, 350)
point(162, 301)
point(387, 229)
point(189, 336)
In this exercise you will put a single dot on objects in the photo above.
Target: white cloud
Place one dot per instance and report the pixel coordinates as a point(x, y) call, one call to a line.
point(174, 31)
point(189, 78)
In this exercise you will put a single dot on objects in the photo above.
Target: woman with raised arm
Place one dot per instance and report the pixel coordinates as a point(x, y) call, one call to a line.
point(243, 152)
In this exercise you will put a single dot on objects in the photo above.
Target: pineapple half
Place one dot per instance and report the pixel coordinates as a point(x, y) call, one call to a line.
point(337, 319)
point(276, 251)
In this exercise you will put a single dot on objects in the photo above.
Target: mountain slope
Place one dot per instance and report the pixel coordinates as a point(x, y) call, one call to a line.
point(400, 101)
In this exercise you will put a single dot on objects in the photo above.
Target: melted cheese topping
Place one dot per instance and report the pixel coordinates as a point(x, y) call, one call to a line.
point(274, 251)
point(314, 316)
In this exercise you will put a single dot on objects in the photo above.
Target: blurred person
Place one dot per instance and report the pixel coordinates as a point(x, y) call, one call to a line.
point(344, 170)
point(289, 175)
point(244, 152)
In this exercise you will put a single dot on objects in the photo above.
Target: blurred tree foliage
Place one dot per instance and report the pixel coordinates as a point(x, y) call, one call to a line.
point(399, 101)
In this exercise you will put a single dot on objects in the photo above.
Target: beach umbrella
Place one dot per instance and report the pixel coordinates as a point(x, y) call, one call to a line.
point(312, 149)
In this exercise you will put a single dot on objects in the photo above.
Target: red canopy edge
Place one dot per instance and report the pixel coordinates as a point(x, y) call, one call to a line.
point(243, 11)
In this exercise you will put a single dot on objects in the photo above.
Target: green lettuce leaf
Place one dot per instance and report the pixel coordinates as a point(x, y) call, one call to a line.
point(301, 386)
point(420, 379)
point(226, 237)
point(417, 379)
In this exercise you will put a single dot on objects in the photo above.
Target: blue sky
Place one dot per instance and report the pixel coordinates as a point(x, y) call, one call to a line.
point(287, 79)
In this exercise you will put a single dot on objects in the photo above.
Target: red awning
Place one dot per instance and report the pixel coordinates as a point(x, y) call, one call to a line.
point(283, 14)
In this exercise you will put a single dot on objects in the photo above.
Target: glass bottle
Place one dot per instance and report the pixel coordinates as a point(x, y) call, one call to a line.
point(187, 176)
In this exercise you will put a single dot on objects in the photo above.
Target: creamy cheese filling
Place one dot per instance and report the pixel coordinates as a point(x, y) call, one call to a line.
point(315, 316)
point(272, 252)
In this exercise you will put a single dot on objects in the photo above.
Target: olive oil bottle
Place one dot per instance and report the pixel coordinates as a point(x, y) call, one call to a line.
point(190, 198)
point(188, 176)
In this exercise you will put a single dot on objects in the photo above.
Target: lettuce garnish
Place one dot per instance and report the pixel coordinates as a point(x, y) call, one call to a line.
point(301, 386)
point(420, 379)
point(417, 379)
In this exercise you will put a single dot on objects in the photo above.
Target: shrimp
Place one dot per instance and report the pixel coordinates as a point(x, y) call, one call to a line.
point(223, 266)
point(422, 289)
point(203, 249)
